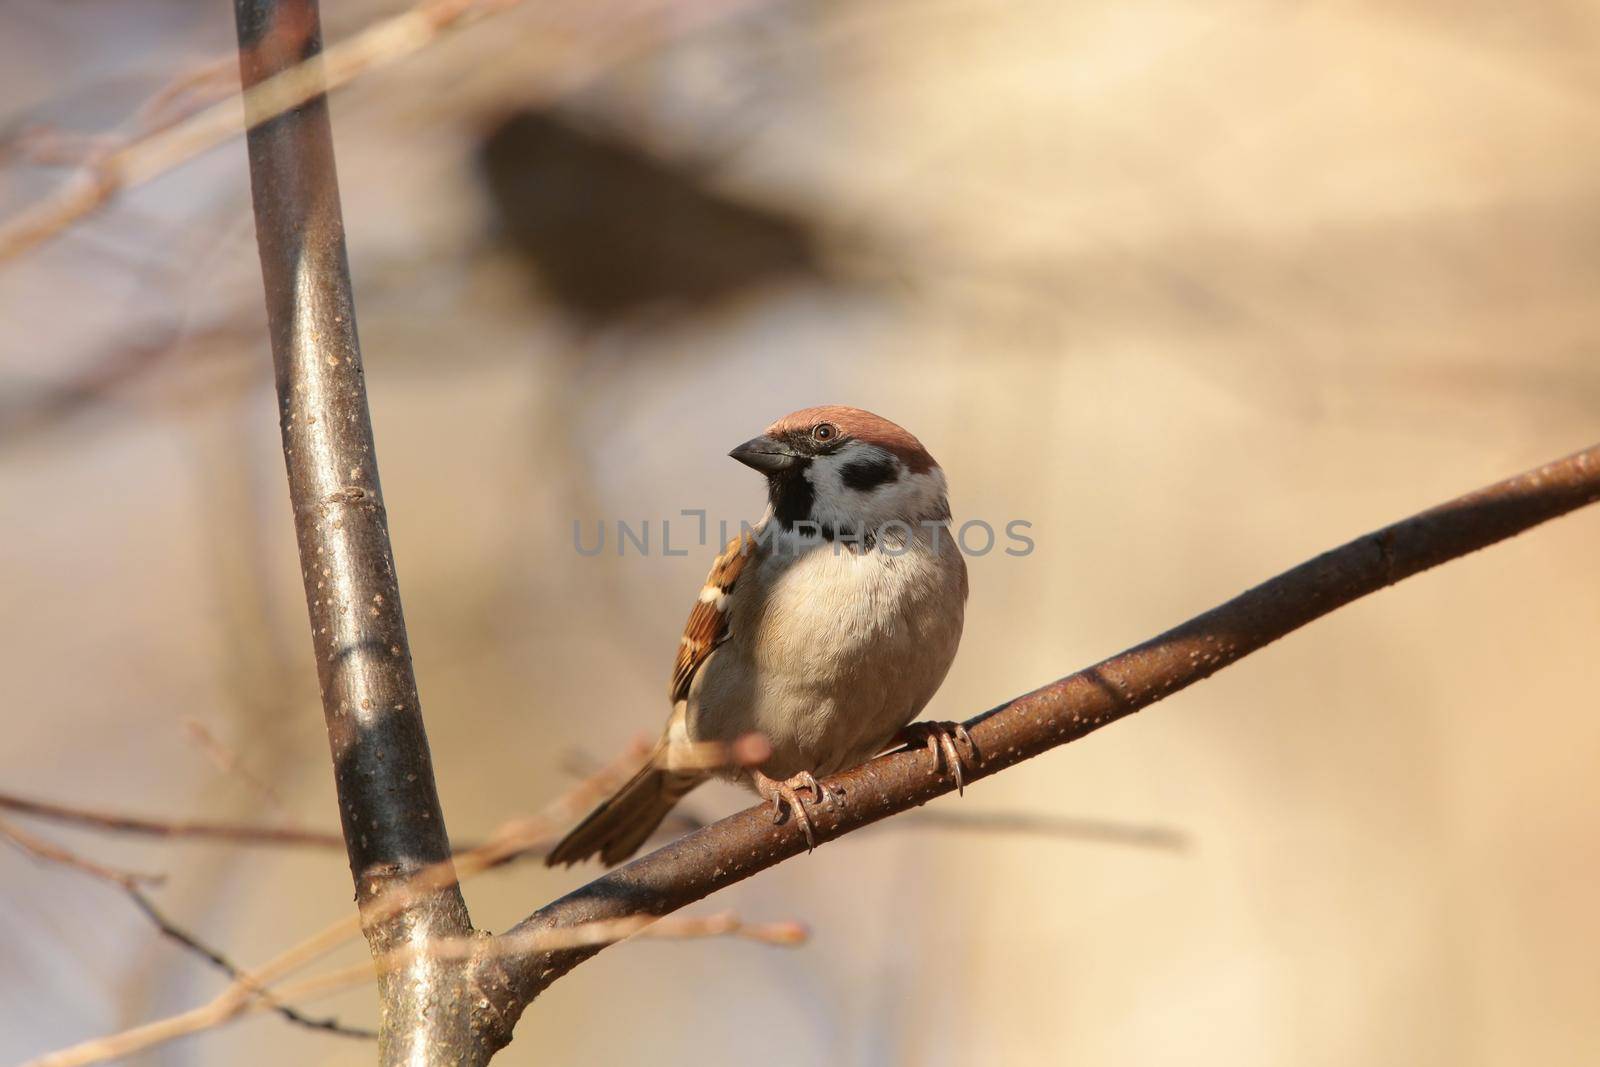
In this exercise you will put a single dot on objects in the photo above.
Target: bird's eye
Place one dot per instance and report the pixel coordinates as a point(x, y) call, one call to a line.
point(824, 432)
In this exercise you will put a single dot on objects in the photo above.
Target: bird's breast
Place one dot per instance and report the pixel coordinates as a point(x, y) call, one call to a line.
point(837, 606)
point(830, 651)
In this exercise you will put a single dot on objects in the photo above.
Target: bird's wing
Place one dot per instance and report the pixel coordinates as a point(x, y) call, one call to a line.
point(708, 622)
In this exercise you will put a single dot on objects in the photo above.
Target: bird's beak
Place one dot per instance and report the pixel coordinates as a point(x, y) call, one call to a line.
point(766, 455)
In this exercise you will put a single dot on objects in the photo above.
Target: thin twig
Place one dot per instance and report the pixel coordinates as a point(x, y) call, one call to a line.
point(1064, 827)
point(128, 882)
point(582, 795)
point(212, 956)
point(783, 934)
point(39, 848)
point(1017, 823)
point(229, 762)
point(190, 829)
point(241, 996)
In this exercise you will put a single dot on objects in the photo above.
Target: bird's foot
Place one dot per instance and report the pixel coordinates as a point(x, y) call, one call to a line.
point(786, 794)
point(945, 740)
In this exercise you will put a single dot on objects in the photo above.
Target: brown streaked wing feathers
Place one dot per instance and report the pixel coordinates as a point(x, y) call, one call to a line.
point(708, 624)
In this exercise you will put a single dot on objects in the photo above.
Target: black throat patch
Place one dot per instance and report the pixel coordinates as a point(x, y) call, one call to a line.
point(791, 495)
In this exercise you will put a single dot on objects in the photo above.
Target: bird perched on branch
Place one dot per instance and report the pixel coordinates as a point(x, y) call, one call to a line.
point(826, 628)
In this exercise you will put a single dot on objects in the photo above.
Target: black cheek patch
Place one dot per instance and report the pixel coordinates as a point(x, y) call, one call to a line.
point(864, 475)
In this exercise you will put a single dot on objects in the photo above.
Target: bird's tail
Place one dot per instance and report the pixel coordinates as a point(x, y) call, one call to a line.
point(617, 828)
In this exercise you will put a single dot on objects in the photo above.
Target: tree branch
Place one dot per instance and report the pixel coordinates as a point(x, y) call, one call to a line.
point(388, 804)
point(201, 829)
point(1063, 711)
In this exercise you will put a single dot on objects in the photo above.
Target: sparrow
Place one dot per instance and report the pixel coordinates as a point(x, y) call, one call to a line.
point(826, 628)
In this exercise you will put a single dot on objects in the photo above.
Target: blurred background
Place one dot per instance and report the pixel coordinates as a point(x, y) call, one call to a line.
point(1199, 290)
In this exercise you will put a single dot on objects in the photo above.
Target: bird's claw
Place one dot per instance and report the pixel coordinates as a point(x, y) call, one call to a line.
point(787, 794)
point(944, 740)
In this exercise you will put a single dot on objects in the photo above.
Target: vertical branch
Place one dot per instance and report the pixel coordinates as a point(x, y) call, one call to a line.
point(388, 804)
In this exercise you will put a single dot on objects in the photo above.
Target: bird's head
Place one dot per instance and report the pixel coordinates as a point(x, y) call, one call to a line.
point(845, 471)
